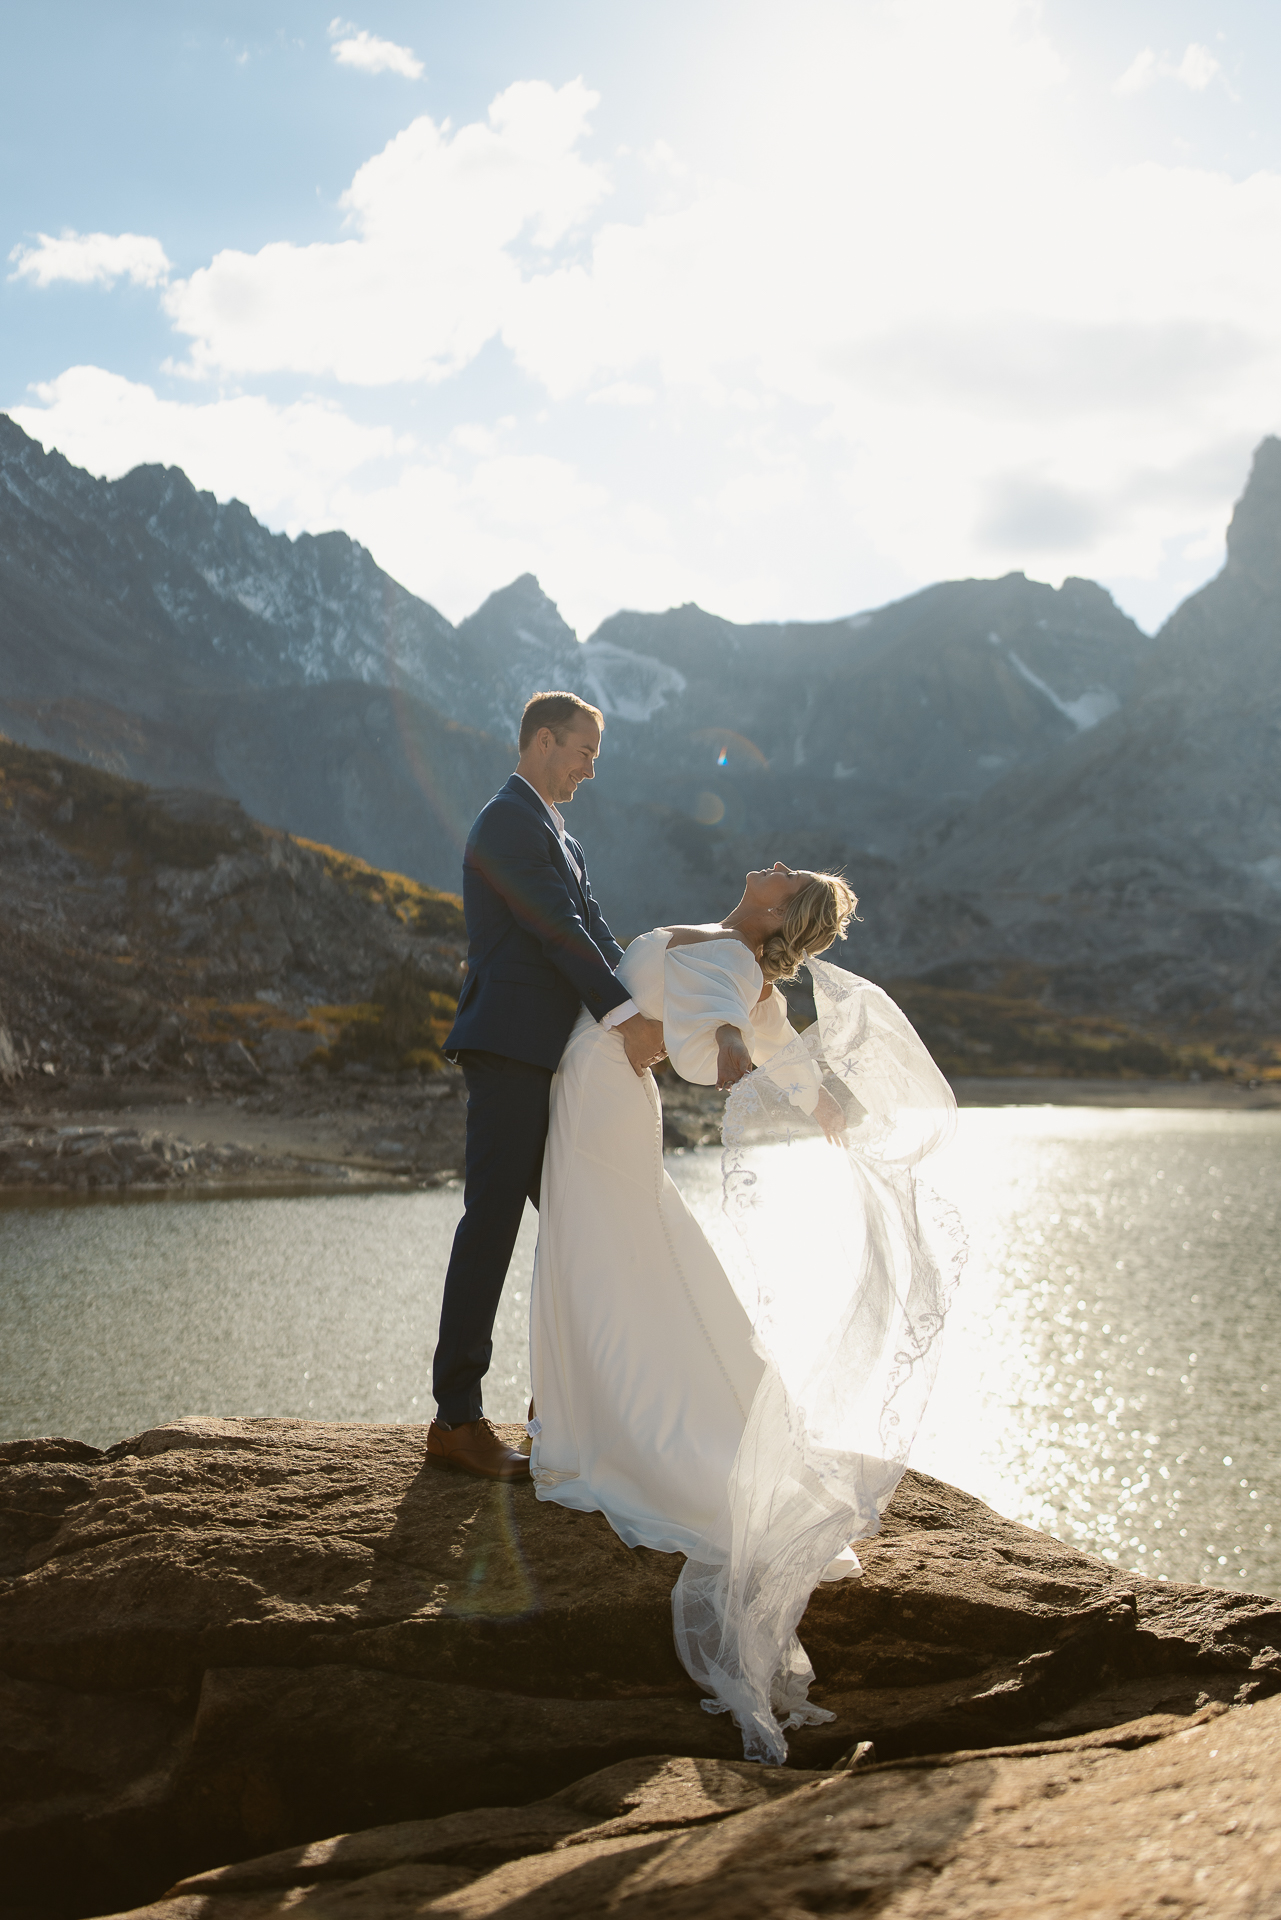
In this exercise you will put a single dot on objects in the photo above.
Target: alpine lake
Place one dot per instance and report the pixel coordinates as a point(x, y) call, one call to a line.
point(1110, 1369)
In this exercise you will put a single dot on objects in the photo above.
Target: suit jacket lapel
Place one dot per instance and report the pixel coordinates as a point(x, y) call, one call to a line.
point(523, 791)
point(580, 878)
point(579, 885)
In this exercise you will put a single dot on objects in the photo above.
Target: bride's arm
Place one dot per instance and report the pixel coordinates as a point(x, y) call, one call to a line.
point(800, 1079)
point(771, 1028)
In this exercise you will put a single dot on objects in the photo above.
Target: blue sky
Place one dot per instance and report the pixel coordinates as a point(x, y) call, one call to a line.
point(786, 310)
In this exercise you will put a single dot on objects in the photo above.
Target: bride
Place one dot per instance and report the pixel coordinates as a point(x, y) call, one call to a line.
point(748, 1405)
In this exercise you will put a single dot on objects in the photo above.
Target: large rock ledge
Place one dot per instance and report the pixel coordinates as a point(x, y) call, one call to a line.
point(225, 1638)
point(1164, 1817)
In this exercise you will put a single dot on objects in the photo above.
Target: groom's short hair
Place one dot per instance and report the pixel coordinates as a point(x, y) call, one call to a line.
point(559, 711)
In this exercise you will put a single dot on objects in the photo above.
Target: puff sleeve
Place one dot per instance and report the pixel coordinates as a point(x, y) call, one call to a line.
point(713, 983)
point(708, 984)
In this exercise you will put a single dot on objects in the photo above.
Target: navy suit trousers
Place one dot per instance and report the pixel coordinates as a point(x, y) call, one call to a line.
point(507, 1103)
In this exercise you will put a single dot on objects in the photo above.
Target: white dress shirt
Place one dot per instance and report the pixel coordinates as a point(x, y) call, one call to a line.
point(616, 1015)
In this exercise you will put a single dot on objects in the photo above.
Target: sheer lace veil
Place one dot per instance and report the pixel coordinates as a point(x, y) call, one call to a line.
point(845, 1264)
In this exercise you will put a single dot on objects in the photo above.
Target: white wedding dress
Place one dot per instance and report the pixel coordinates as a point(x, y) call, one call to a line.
point(748, 1405)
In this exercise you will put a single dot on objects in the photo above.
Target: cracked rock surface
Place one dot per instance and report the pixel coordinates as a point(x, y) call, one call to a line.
point(223, 1638)
point(1164, 1816)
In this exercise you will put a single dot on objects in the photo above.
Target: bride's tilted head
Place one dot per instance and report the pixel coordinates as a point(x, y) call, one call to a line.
point(795, 913)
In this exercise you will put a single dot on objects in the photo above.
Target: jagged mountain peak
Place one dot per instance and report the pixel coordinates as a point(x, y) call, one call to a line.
point(514, 645)
point(1087, 592)
point(151, 484)
point(182, 514)
point(520, 605)
point(1254, 532)
point(26, 468)
point(184, 517)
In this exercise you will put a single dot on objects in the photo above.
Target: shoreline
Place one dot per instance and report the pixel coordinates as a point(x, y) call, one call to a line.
point(1224, 1096)
point(333, 1138)
point(307, 1137)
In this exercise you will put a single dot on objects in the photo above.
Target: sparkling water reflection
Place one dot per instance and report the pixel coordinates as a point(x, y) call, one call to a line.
point(1110, 1372)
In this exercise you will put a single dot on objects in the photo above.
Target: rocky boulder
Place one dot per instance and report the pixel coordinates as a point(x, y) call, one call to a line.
point(227, 1637)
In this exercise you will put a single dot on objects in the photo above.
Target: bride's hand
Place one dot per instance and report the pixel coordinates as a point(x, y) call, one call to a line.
point(733, 1061)
point(830, 1117)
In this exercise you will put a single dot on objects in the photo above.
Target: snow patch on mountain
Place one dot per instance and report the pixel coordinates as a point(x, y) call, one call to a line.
point(624, 685)
point(1086, 711)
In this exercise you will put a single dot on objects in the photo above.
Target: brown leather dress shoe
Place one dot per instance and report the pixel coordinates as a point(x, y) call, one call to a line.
point(474, 1447)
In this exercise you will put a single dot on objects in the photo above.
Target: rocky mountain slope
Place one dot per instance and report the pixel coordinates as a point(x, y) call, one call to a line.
point(102, 579)
point(228, 1639)
point(154, 633)
point(149, 934)
point(166, 636)
point(890, 718)
point(186, 997)
point(1142, 864)
point(1029, 794)
point(128, 592)
point(1195, 756)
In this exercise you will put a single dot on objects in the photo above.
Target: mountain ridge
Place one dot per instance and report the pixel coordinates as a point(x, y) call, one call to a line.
point(1013, 773)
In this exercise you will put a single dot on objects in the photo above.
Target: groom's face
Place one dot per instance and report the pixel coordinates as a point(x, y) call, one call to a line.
point(572, 759)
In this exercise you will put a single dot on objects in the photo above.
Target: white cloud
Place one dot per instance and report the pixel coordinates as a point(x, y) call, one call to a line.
point(451, 521)
point(661, 158)
point(284, 461)
point(1140, 73)
point(92, 259)
point(1195, 70)
point(903, 323)
point(362, 50)
point(623, 393)
point(428, 275)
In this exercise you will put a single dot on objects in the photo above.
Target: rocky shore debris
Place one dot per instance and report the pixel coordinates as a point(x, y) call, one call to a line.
point(10, 1066)
point(314, 1135)
point(225, 1639)
point(110, 1159)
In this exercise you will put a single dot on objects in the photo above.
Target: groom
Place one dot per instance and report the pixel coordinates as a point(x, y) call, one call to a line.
point(538, 949)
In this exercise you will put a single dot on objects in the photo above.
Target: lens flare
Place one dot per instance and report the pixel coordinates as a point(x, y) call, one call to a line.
point(731, 749)
point(493, 1580)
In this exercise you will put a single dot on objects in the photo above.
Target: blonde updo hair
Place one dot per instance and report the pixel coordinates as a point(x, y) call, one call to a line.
point(815, 917)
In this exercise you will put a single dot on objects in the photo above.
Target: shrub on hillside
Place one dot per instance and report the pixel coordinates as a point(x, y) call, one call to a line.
point(402, 1025)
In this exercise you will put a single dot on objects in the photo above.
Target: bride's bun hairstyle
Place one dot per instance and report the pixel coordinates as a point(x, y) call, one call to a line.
point(815, 917)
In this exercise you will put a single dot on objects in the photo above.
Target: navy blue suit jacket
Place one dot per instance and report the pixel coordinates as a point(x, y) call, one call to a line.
point(537, 944)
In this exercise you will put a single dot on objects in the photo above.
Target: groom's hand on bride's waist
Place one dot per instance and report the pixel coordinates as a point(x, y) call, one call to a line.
point(643, 1040)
